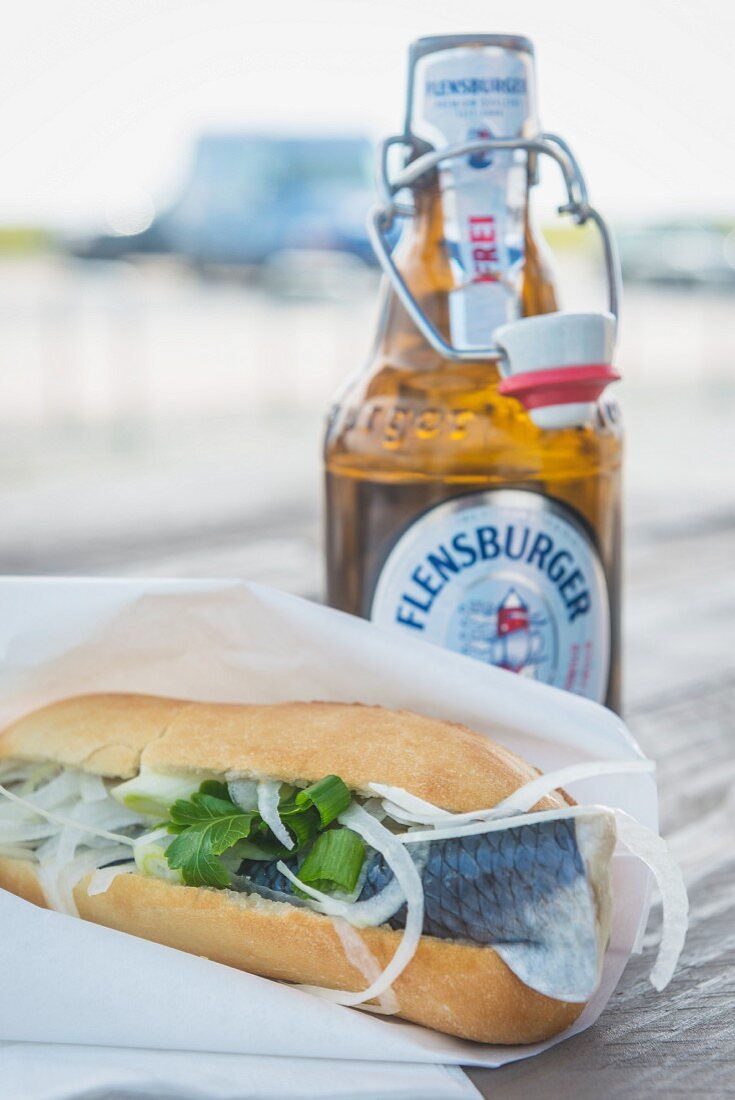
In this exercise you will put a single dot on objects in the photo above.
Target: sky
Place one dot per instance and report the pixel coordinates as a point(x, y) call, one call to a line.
point(102, 99)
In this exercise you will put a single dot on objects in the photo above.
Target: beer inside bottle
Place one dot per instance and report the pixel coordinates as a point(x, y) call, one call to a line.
point(451, 516)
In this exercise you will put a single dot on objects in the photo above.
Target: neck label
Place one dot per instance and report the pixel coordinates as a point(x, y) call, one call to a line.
point(470, 94)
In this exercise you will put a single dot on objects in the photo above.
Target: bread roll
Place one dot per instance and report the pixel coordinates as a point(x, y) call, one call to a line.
point(455, 987)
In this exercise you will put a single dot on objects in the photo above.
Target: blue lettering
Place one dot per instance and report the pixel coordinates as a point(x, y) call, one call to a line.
point(462, 546)
point(487, 538)
point(510, 552)
point(443, 562)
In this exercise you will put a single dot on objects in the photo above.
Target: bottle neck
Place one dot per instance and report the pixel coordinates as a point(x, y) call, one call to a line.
point(424, 256)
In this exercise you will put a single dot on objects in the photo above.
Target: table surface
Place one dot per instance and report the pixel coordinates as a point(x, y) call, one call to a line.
point(680, 704)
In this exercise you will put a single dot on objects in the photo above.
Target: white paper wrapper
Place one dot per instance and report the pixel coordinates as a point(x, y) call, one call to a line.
point(66, 981)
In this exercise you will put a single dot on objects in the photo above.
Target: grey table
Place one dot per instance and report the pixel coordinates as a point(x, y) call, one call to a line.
point(680, 703)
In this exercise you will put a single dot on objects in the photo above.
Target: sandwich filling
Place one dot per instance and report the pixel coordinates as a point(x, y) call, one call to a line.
point(534, 886)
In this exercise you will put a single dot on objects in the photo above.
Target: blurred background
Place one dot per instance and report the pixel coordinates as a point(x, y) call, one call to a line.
point(185, 277)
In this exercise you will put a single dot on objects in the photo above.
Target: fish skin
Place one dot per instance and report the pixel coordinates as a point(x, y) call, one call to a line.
point(523, 890)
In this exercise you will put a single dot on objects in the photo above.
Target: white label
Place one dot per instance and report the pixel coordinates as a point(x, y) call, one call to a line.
point(508, 577)
point(470, 94)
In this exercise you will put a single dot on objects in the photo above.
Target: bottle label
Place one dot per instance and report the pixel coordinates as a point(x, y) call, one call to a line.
point(469, 94)
point(508, 577)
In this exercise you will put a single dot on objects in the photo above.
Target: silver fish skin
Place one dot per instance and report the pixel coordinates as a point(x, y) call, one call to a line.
point(539, 894)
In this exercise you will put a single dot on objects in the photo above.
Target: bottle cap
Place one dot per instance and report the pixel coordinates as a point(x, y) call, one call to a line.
point(557, 365)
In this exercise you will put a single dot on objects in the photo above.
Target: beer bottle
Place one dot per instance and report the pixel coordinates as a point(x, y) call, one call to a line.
point(459, 511)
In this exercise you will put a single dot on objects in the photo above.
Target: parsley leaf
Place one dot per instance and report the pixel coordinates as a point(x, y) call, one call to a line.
point(207, 825)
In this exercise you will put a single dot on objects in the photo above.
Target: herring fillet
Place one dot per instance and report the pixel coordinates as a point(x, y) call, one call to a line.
point(538, 894)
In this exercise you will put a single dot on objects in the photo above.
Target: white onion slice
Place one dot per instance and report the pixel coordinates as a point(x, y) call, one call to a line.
point(103, 878)
point(57, 792)
point(530, 793)
point(416, 807)
point(58, 882)
point(362, 914)
point(514, 821)
point(268, 795)
point(244, 793)
point(24, 832)
point(410, 810)
point(60, 819)
point(649, 847)
point(16, 851)
point(407, 874)
point(92, 788)
point(359, 954)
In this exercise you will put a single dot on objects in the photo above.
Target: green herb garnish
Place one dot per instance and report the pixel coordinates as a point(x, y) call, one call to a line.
point(207, 825)
point(334, 862)
point(210, 825)
point(329, 796)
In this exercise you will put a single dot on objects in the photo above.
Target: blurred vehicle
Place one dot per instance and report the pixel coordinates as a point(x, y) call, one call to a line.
point(679, 254)
point(249, 197)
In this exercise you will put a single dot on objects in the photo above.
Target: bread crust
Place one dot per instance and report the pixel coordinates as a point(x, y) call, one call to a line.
point(103, 734)
point(115, 735)
point(460, 989)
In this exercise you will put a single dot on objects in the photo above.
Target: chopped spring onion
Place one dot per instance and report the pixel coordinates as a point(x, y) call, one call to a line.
point(268, 798)
point(150, 856)
point(407, 874)
point(334, 862)
point(330, 796)
point(303, 822)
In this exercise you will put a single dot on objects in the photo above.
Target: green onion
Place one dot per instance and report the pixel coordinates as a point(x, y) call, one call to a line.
point(334, 862)
point(330, 796)
point(303, 825)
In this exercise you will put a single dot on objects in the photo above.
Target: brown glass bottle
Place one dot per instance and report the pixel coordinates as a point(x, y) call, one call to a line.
point(415, 430)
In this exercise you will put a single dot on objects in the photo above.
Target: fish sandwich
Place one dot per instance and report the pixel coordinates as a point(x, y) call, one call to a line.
point(377, 858)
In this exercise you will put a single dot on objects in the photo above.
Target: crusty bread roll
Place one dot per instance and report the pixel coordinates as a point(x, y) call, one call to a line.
point(458, 988)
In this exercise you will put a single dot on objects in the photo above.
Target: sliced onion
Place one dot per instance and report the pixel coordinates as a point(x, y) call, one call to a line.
point(362, 914)
point(58, 881)
point(60, 819)
point(13, 772)
point(359, 954)
point(244, 793)
point(16, 851)
point(63, 790)
point(92, 788)
point(407, 874)
point(64, 787)
point(23, 833)
point(530, 793)
point(513, 821)
point(103, 878)
point(649, 847)
point(415, 806)
point(410, 810)
point(268, 796)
